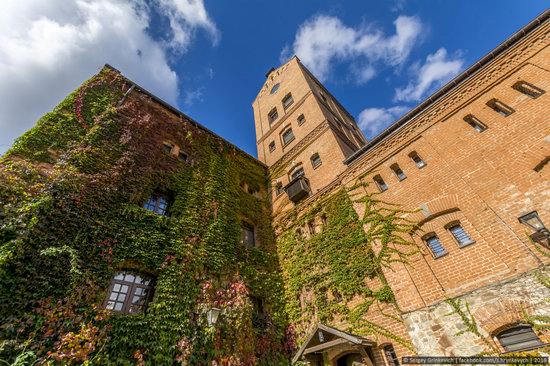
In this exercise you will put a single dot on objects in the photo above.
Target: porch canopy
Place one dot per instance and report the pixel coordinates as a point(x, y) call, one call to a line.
point(323, 338)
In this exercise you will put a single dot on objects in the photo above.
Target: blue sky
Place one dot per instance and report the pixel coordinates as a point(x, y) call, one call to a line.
point(379, 58)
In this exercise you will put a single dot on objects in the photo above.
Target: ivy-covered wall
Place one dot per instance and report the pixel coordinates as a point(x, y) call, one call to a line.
point(72, 191)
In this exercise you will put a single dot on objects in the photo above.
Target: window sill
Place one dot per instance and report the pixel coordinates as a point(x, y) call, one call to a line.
point(441, 255)
point(289, 142)
point(317, 166)
point(466, 244)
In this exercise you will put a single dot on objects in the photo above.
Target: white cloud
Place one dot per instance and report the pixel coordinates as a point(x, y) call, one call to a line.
point(192, 96)
point(50, 47)
point(438, 69)
point(373, 120)
point(324, 40)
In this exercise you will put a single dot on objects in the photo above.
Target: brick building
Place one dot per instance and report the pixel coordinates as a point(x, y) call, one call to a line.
point(466, 164)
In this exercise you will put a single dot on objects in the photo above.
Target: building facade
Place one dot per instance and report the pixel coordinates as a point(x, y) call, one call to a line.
point(132, 235)
point(467, 165)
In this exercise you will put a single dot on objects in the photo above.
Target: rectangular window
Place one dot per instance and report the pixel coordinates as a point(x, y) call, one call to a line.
point(460, 235)
point(500, 107)
point(182, 156)
point(435, 246)
point(475, 123)
point(297, 173)
point(311, 227)
point(129, 293)
point(391, 357)
point(528, 89)
point(248, 234)
point(167, 148)
point(288, 136)
point(315, 160)
point(279, 189)
point(398, 171)
point(273, 115)
point(382, 186)
point(272, 146)
point(301, 119)
point(420, 163)
point(287, 101)
point(158, 203)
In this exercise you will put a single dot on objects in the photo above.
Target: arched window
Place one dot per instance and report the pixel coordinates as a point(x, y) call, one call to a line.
point(130, 293)
point(519, 338)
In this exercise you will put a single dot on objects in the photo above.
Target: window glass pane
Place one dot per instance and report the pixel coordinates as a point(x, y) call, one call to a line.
point(118, 306)
point(124, 289)
point(288, 135)
point(110, 305)
point(119, 276)
point(129, 278)
point(113, 296)
point(435, 246)
point(460, 234)
point(391, 357)
point(298, 173)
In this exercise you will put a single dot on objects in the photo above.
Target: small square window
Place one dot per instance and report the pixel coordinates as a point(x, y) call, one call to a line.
point(273, 115)
point(315, 160)
point(182, 156)
point(398, 172)
point(248, 237)
point(528, 89)
point(500, 107)
point(272, 146)
point(435, 246)
point(158, 203)
point(420, 163)
point(301, 119)
point(382, 186)
point(167, 148)
point(288, 136)
point(287, 101)
point(475, 123)
point(460, 235)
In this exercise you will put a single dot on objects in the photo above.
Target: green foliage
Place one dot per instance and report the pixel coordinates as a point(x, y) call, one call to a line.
point(71, 193)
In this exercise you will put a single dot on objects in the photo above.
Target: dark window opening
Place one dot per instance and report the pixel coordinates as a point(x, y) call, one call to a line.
point(287, 101)
point(391, 357)
point(500, 107)
point(275, 88)
point(542, 164)
point(297, 173)
point(272, 146)
point(259, 315)
point(420, 163)
point(182, 156)
point(130, 293)
point(273, 115)
point(158, 203)
point(475, 123)
point(435, 246)
point(288, 136)
point(315, 160)
point(519, 338)
point(324, 219)
point(248, 237)
point(528, 89)
point(299, 233)
point(167, 148)
point(301, 119)
point(460, 235)
point(311, 227)
point(398, 171)
point(279, 189)
point(382, 186)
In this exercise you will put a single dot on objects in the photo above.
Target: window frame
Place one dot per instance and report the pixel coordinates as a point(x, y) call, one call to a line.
point(279, 190)
point(159, 195)
point(287, 101)
point(184, 155)
point(272, 146)
point(313, 158)
point(166, 146)
point(528, 89)
point(389, 351)
point(127, 302)
point(499, 107)
point(292, 174)
point(426, 238)
point(275, 88)
point(273, 115)
point(396, 169)
point(421, 163)
point(455, 224)
point(474, 122)
point(506, 346)
point(380, 183)
point(247, 226)
point(301, 119)
point(286, 143)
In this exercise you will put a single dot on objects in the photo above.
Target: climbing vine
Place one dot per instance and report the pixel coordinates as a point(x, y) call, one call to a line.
point(71, 215)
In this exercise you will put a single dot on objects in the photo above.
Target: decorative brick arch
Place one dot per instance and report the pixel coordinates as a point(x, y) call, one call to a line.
point(496, 317)
point(434, 208)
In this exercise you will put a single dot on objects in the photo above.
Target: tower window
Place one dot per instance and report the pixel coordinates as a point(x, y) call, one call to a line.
point(420, 163)
point(275, 88)
point(500, 107)
point(324, 220)
point(301, 119)
point(273, 115)
point(287, 101)
point(279, 189)
point(248, 237)
point(391, 357)
point(315, 160)
point(382, 186)
point(398, 171)
point(167, 148)
point(158, 203)
point(297, 173)
point(129, 293)
point(475, 123)
point(288, 136)
point(323, 97)
point(435, 246)
point(528, 89)
point(272, 146)
point(182, 156)
point(519, 338)
point(311, 227)
point(460, 235)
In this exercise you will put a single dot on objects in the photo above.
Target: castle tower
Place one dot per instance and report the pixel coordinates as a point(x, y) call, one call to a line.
point(303, 133)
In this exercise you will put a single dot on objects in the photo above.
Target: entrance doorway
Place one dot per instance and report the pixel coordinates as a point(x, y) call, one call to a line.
point(351, 359)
